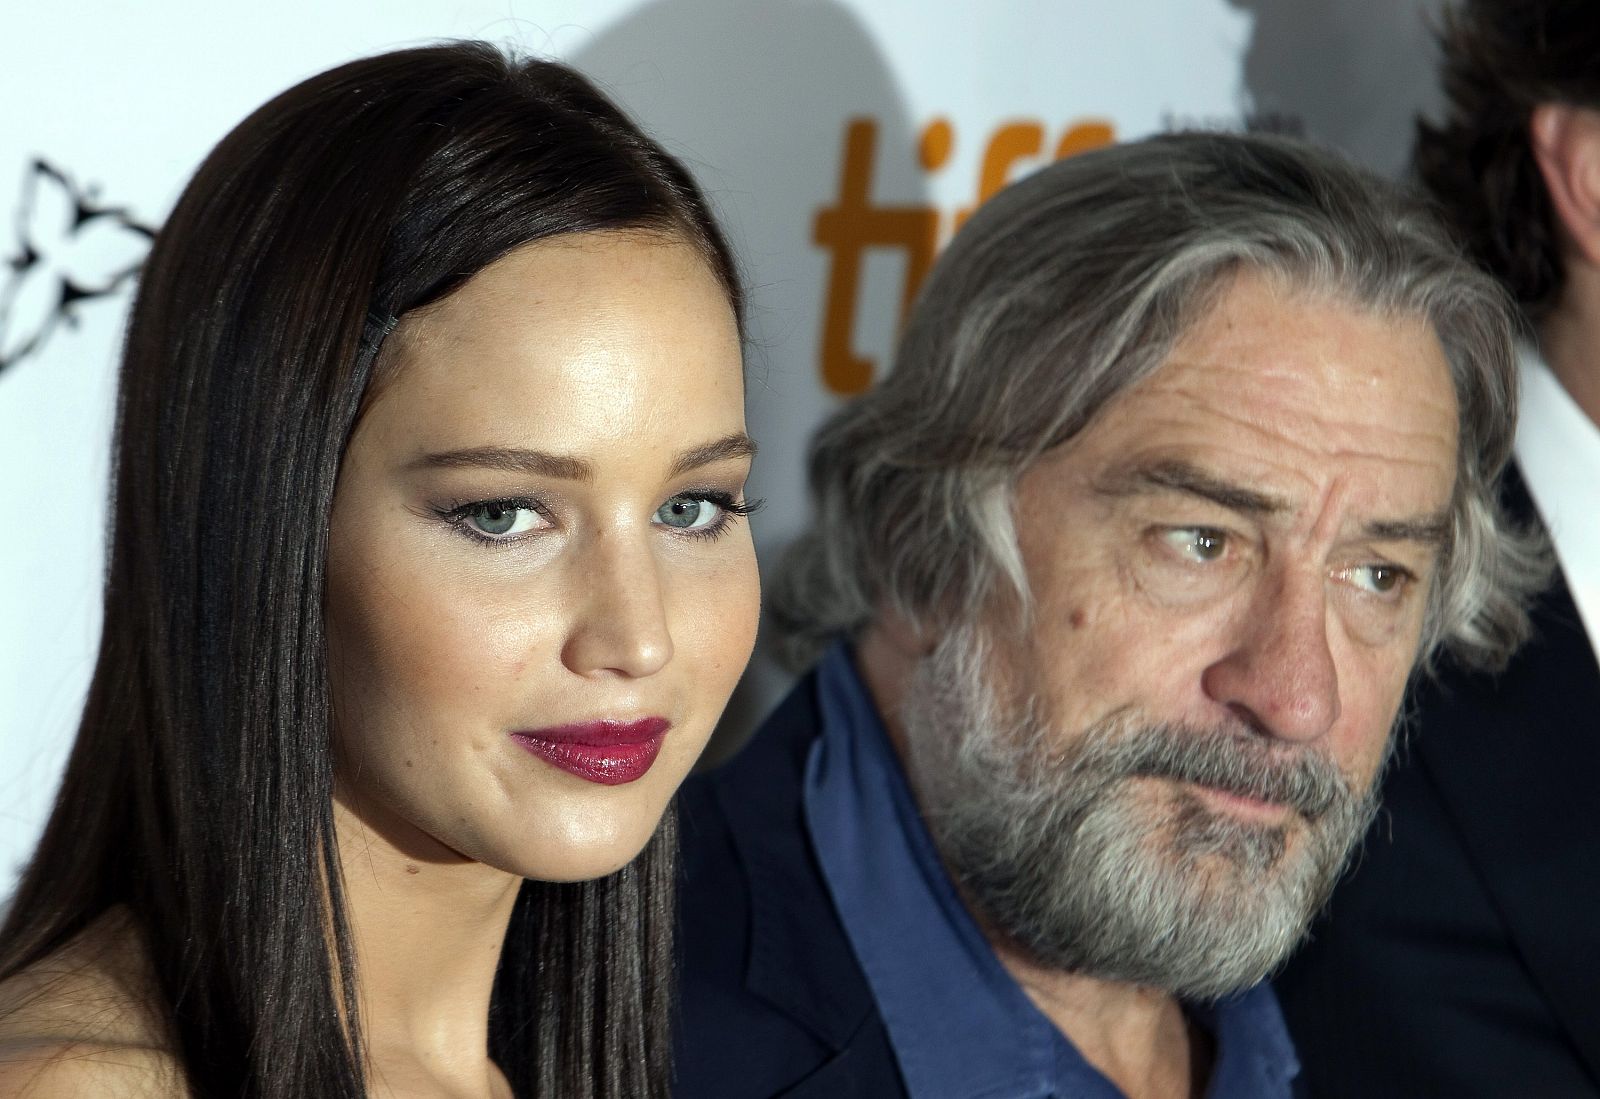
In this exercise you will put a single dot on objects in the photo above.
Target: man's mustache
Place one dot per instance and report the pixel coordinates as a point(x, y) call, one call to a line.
point(1244, 765)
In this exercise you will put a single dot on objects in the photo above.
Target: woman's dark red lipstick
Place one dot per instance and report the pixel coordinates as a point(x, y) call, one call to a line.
point(608, 752)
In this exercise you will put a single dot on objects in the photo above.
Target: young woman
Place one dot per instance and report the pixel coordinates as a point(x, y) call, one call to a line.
point(428, 582)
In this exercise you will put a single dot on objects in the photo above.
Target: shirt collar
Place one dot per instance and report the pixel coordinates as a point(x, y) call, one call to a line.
point(1558, 450)
point(960, 1026)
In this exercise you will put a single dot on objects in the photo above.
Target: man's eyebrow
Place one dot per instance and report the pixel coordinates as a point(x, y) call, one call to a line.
point(736, 445)
point(540, 463)
point(1429, 530)
point(1180, 476)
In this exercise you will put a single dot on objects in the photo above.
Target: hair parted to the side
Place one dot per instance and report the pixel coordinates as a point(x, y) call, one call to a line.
point(199, 792)
point(1502, 58)
point(1068, 288)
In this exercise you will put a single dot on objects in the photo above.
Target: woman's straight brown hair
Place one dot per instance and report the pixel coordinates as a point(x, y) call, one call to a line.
point(199, 793)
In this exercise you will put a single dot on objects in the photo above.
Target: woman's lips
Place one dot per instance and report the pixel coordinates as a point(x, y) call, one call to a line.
point(608, 752)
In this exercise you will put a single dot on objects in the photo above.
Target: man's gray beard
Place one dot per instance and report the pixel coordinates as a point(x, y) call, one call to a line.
point(1063, 854)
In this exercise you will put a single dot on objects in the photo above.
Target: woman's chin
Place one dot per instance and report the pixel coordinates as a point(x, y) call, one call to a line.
point(578, 855)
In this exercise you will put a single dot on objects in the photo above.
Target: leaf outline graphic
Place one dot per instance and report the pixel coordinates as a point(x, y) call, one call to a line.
point(69, 250)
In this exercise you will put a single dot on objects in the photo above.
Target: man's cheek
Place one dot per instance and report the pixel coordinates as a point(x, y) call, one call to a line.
point(1363, 737)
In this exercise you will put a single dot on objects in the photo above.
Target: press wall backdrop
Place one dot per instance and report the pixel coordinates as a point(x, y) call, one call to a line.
point(841, 140)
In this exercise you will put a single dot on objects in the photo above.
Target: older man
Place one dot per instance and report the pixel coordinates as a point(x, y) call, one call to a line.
point(1463, 957)
point(1186, 461)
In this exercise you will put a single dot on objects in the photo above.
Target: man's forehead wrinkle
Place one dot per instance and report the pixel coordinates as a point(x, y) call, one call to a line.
point(1287, 386)
point(1257, 414)
point(1322, 361)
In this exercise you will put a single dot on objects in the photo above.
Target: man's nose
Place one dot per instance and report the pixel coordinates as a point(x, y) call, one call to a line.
point(1279, 673)
point(618, 624)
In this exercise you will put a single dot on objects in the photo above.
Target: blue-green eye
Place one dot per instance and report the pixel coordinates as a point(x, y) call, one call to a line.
point(688, 513)
point(500, 519)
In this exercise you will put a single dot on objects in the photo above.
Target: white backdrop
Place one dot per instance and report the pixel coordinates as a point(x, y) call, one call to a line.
point(119, 102)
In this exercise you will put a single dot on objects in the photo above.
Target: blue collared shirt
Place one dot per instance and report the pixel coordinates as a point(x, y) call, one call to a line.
point(960, 1025)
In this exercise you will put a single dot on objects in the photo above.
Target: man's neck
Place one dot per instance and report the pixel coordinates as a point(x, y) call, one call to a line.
point(1138, 1037)
point(1569, 338)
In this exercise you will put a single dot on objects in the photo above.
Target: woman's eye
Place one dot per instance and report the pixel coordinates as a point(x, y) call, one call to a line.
point(688, 513)
point(1200, 545)
point(500, 520)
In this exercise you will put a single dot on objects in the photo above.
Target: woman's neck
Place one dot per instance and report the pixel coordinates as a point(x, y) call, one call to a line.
point(427, 925)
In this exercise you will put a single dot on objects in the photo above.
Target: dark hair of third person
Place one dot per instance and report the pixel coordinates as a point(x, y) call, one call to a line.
point(1502, 58)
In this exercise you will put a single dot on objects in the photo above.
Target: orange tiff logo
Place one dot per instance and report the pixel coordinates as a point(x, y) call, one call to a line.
point(854, 223)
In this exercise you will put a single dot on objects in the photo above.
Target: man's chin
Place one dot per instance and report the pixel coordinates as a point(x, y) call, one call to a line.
point(1248, 945)
point(1203, 904)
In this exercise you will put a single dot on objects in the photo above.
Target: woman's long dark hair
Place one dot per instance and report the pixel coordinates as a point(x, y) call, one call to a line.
point(199, 793)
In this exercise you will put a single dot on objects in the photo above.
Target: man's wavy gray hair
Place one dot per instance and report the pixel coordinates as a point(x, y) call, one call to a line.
point(1070, 287)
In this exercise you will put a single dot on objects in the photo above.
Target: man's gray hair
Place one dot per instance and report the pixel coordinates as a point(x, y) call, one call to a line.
point(1070, 287)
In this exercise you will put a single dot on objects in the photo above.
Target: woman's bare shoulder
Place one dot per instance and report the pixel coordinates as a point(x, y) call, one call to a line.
point(72, 1070)
point(82, 1022)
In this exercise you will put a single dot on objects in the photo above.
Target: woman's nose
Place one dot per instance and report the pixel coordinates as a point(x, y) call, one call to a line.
point(619, 616)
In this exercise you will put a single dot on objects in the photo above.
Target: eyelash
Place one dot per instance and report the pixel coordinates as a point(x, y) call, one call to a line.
point(455, 515)
point(731, 511)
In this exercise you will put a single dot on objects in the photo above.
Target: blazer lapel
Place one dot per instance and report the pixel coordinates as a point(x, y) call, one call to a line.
point(801, 961)
point(864, 1069)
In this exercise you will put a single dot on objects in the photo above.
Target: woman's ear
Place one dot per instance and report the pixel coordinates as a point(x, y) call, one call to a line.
point(1566, 146)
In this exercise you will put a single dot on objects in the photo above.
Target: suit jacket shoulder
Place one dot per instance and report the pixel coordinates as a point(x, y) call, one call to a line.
point(773, 1000)
point(1462, 955)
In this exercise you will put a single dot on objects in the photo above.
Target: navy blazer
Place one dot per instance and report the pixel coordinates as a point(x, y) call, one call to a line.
point(773, 1001)
point(1462, 957)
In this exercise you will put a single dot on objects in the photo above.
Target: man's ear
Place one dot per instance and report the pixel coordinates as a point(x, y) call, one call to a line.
point(888, 651)
point(1566, 146)
point(911, 640)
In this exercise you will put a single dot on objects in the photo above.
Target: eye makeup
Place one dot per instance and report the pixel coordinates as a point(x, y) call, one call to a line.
point(459, 516)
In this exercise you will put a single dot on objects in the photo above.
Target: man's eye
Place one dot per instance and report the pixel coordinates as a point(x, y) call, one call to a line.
point(1378, 579)
point(688, 513)
point(500, 520)
point(1201, 545)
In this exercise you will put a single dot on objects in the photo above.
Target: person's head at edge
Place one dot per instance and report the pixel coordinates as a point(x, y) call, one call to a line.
point(348, 564)
point(1515, 164)
point(1186, 463)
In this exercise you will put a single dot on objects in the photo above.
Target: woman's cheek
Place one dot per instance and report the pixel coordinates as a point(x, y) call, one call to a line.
point(731, 612)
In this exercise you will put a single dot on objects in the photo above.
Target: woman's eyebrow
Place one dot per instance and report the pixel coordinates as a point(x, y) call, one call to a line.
point(734, 445)
point(563, 467)
point(509, 460)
